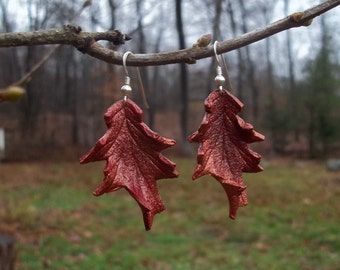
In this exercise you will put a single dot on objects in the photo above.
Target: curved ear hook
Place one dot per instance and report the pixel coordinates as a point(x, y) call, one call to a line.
point(125, 56)
point(126, 88)
point(215, 51)
point(219, 79)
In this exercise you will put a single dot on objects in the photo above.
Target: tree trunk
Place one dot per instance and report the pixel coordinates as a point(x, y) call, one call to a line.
point(7, 253)
point(292, 104)
point(13, 68)
point(216, 36)
point(113, 9)
point(277, 137)
point(142, 49)
point(239, 90)
point(250, 69)
point(289, 51)
point(154, 89)
point(183, 74)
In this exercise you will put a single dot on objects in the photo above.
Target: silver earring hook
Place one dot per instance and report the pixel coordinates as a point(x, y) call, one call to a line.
point(126, 88)
point(215, 51)
point(219, 79)
point(125, 56)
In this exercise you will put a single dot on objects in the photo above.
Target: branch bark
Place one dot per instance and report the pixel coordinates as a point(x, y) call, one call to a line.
point(67, 35)
point(86, 41)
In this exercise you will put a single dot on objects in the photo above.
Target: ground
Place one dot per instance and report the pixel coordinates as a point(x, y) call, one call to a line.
point(291, 221)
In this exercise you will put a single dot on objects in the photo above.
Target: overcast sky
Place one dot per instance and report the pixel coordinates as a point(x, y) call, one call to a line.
point(306, 39)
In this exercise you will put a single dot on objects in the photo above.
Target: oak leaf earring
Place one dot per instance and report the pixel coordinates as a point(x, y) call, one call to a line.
point(223, 137)
point(132, 153)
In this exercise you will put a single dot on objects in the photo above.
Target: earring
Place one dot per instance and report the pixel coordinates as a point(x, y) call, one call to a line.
point(223, 137)
point(132, 154)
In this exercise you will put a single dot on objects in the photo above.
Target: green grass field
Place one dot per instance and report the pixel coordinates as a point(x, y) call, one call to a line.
point(292, 220)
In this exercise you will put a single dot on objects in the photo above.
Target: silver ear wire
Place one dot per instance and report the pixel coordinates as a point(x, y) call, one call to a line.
point(125, 56)
point(219, 79)
point(215, 51)
point(126, 88)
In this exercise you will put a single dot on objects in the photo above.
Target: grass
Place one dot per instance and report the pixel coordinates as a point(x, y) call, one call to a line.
point(291, 221)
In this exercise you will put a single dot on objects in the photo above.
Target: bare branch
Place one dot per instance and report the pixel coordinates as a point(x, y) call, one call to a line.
point(86, 42)
point(190, 55)
point(68, 35)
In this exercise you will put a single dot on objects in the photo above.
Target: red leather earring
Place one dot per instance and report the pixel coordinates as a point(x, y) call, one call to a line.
point(223, 137)
point(132, 154)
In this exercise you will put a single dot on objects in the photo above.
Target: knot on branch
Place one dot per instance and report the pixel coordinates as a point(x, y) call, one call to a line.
point(81, 44)
point(117, 37)
point(72, 28)
point(299, 19)
point(85, 40)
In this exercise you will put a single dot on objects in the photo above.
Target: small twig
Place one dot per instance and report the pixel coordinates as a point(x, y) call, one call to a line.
point(26, 78)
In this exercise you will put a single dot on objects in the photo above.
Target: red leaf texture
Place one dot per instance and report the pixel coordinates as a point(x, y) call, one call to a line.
point(223, 151)
point(134, 161)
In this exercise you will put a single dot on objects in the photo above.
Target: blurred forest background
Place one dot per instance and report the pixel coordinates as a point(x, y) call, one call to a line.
point(289, 83)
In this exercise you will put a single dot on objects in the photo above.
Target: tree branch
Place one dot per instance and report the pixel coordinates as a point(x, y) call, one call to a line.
point(190, 55)
point(86, 42)
point(68, 35)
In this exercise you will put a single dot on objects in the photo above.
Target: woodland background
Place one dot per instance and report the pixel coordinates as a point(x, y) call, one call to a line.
point(289, 82)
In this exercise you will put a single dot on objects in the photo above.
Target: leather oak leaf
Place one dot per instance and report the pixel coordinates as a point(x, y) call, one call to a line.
point(223, 151)
point(134, 162)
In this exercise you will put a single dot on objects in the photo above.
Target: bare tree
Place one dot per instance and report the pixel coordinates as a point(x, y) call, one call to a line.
point(113, 8)
point(293, 102)
point(142, 46)
point(240, 54)
point(215, 36)
point(289, 51)
point(155, 87)
point(250, 66)
point(8, 58)
point(183, 73)
point(272, 113)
